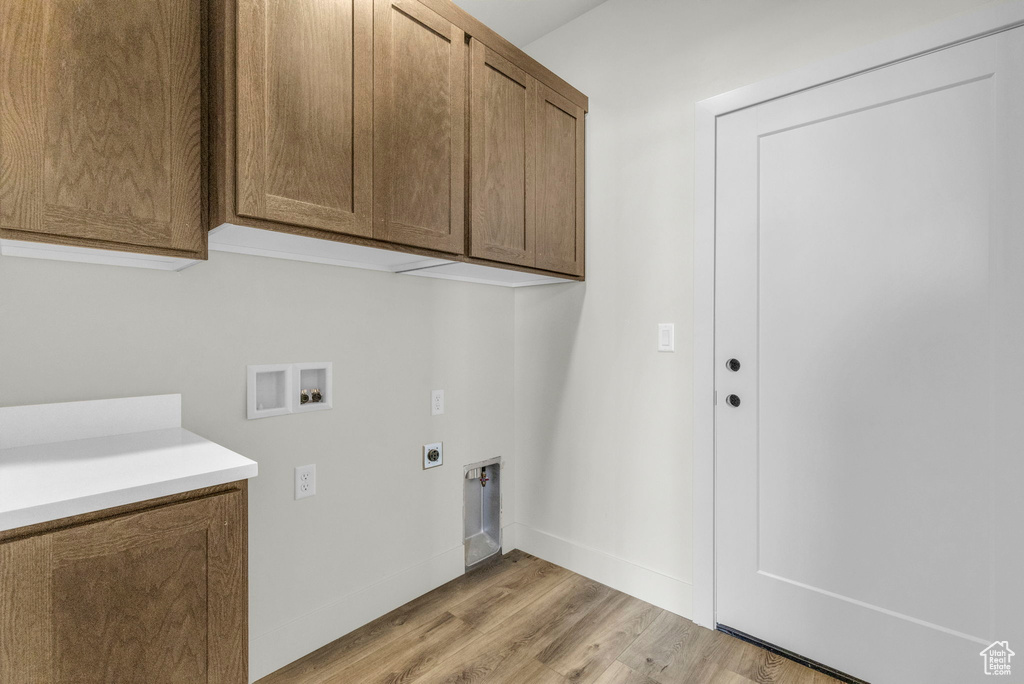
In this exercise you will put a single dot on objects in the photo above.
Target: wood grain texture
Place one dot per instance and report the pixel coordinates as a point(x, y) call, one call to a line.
point(502, 158)
point(137, 611)
point(560, 184)
point(76, 520)
point(583, 654)
point(304, 122)
point(415, 653)
point(617, 673)
point(222, 169)
point(674, 647)
point(25, 607)
point(474, 28)
point(324, 664)
point(621, 674)
point(510, 595)
point(553, 628)
point(419, 109)
point(228, 579)
point(501, 656)
point(101, 123)
point(156, 595)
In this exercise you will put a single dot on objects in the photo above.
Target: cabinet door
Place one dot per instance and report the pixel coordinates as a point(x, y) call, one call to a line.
point(101, 124)
point(154, 596)
point(559, 241)
point(419, 127)
point(304, 122)
point(502, 153)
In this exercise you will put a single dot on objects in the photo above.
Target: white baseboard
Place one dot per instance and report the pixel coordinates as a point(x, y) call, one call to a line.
point(670, 593)
point(291, 641)
point(508, 538)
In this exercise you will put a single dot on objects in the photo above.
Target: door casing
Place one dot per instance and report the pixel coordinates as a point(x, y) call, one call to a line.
point(958, 30)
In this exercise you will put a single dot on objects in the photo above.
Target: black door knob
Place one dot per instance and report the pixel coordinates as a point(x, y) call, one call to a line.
point(733, 365)
point(733, 400)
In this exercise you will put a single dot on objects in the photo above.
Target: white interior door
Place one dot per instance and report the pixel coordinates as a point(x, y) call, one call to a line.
point(870, 282)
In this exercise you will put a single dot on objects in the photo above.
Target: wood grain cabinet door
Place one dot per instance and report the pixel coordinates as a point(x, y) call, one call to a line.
point(101, 124)
point(559, 240)
point(154, 596)
point(304, 121)
point(419, 114)
point(502, 154)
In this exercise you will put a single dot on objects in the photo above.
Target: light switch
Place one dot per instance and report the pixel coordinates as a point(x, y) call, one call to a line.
point(437, 402)
point(666, 337)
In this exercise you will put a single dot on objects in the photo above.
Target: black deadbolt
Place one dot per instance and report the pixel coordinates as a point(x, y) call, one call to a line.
point(733, 365)
point(733, 400)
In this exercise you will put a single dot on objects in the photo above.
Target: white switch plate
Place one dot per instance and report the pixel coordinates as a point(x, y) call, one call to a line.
point(305, 481)
point(436, 402)
point(666, 337)
point(427, 453)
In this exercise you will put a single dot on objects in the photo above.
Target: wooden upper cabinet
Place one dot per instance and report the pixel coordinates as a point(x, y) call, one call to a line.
point(304, 113)
point(375, 122)
point(154, 596)
point(559, 240)
point(101, 124)
point(502, 159)
point(419, 109)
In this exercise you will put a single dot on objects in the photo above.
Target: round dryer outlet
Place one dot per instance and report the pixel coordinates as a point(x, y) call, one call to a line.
point(433, 455)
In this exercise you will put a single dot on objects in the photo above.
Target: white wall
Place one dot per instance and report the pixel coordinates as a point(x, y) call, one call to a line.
point(603, 421)
point(380, 530)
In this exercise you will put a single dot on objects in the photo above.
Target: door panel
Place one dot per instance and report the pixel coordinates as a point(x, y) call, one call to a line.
point(502, 158)
point(921, 242)
point(868, 265)
point(101, 122)
point(419, 127)
point(150, 596)
point(560, 178)
point(304, 120)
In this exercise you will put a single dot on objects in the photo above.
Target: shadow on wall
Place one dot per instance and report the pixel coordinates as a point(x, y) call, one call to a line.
point(554, 326)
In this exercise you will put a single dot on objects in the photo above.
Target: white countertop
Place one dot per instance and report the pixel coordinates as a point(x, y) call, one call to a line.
point(48, 481)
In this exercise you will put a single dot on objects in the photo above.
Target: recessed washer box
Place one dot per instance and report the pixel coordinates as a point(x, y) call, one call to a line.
point(277, 389)
point(270, 390)
point(311, 387)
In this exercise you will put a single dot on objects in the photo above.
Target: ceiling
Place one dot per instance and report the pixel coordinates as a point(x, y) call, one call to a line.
point(524, 21)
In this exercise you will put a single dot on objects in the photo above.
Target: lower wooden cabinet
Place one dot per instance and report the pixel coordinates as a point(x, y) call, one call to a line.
point(154, 592)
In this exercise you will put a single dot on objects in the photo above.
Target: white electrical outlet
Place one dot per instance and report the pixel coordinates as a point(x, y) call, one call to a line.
point(433, 455)
point(437, 402)
point(305, 481)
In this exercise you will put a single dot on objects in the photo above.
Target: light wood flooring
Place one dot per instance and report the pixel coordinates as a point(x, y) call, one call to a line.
point(523, 620)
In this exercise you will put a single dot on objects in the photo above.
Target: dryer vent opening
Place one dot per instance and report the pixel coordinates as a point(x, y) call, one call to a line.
point(481, 503)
